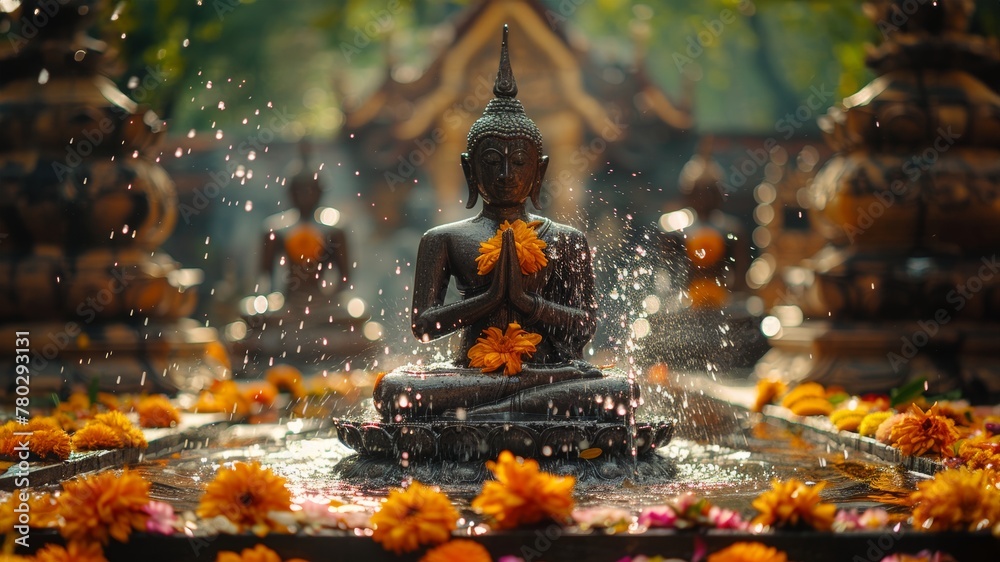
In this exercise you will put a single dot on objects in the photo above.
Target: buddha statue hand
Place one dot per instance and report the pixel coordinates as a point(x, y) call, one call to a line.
point(526, 303)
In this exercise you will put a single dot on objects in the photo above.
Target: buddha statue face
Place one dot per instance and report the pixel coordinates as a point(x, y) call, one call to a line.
point(505, 171)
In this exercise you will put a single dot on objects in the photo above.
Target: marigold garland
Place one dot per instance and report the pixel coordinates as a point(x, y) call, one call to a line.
point(414, 517)
point(458, 550)
point(72, 552)
point(97, 437)
point(957, 500)
point(259, 553)
point(792, 503)
point(980, 452)
point(748, 552)
point(46, 444)
point(245, 494)
point(522, 494)
point(920, 432)
point(103, 506)
point(529, 248)
point(503, 349)
point(157, 411)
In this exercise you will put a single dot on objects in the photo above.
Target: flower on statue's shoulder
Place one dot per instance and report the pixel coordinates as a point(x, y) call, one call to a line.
point(259, 553)
point(246, 493)
point(497, 349)
point(957, 500)
point(920, 432)
point(522, 494)
point(157, 411)
point(72, 552)
point(458, 550)
point(767, 391)
point(794, 503)
point(748, 552)
point(417, 516)
point(529, 248)
point(103, 506)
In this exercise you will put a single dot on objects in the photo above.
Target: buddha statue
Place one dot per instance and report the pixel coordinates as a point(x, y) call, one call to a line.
point(527, 306)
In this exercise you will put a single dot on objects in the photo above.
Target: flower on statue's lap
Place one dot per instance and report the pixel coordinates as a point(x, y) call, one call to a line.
point(503, 349)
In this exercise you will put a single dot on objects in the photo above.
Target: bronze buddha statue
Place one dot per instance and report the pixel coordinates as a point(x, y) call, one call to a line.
point(527, 306)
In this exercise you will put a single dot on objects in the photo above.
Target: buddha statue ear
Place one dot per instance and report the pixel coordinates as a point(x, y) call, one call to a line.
point(536, 189)
point(470, 179)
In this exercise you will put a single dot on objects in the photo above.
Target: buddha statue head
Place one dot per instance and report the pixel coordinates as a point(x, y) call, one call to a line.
point(504, 162)
point(304, 186)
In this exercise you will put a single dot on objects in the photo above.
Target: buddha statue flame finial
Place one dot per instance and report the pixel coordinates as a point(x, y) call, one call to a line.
point(505, 86)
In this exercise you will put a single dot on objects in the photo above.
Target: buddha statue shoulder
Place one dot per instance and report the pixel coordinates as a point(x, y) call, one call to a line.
point(527, 307)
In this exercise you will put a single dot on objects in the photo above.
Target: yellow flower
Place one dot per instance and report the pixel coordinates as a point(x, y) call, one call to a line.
point(223, 397)
point(458, 550)
point(414, 517)
point(767, 391)
point(980, 452)
point(529, 248)
point(305, 244)
point(496, 349)
point(102, 506)
point(245, 494)
point(808, 399)
point(922, 432)
point(42, 508)
point(72, 552)
point(848, 419)
point(869, 424)
point(522, 494)
point(287, 379)
point(957, 500)
point(792, 503)
point(259, 553)
point(157, 411)
point(804, 390)
point(748, 552)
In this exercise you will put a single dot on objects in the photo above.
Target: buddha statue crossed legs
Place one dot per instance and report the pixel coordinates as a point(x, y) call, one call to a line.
point(527, 306)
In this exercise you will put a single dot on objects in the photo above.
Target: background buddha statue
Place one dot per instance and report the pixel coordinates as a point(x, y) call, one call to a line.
point(527, 305)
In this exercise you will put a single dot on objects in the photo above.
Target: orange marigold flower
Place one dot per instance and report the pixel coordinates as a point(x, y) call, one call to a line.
point(263, 393)
point(97, 437)
point(414, 517)
point(748, 552)
point(72, 552)
point(157, 411)
point(131, 434)
point(529, 248)
point(503, 349)
point(102, 506)
point(922, 432)
point(245, 493)
point(305, 244)
point(42, 507)
point(980, 452)
point(957, 500)
point(259, 553)
point(223, 397)
point(767, 391)
point(707, 294)
point(46, 443)
point(286, 379)
point(458, 550)
point(792, 503)
point(522, 494)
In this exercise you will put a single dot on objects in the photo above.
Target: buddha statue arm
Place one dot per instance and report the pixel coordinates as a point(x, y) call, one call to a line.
point(431, 318)
point(572, 319)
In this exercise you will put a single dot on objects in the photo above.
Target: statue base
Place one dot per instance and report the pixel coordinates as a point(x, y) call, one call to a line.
point(465, 441)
